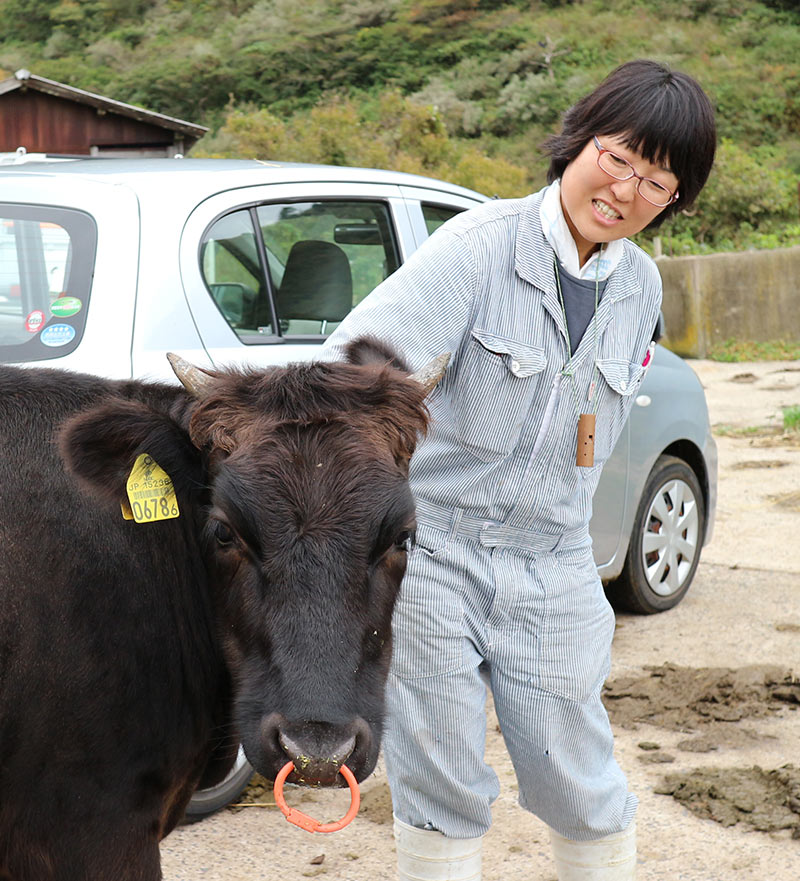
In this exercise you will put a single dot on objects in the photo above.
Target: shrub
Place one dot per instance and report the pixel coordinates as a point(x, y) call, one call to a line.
point(394, 132)
point(750, 201)
point(791, 418)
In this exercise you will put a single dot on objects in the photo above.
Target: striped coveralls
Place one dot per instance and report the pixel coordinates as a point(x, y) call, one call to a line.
point(501, 581)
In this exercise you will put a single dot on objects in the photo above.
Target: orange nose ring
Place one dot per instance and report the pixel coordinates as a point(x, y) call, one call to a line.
point(309, 823)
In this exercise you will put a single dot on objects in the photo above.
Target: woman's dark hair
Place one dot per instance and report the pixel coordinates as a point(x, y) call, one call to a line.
point(663, 114)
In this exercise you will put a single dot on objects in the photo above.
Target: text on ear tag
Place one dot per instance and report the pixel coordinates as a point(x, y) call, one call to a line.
point(150, 492)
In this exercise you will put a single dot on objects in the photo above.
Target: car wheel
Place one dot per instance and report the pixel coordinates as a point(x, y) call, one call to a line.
point(207, 801)
point(666, 540)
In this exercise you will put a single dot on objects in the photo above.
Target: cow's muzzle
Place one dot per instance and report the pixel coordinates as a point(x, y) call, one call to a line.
point(317, 749)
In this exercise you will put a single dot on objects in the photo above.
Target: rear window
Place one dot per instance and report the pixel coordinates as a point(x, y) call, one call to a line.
point(46, 264)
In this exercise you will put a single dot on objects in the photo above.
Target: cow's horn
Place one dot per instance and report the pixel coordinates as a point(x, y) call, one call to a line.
point(432, 372)
point(195, 381)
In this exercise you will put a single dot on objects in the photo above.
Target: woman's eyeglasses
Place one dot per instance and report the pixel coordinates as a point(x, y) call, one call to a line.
point(620, 169)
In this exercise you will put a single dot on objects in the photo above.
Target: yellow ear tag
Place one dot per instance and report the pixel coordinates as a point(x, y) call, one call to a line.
point(150, 492)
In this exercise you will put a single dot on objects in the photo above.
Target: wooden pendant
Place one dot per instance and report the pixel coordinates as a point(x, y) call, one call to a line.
point(585, 456)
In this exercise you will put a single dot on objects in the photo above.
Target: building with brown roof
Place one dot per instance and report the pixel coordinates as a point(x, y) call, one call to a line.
point(44, 116)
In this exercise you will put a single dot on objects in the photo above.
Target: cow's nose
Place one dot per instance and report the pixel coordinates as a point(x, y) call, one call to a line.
point(317, 749)
point(319, 767)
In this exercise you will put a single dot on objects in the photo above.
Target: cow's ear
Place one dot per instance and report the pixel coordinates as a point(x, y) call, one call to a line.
point(100, 447)
point(370, 350)
point(402, 416)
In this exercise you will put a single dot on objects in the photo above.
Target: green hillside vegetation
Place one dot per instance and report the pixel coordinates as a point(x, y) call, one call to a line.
point(461, 89)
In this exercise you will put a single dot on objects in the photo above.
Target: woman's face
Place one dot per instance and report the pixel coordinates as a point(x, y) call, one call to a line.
point(597, 207)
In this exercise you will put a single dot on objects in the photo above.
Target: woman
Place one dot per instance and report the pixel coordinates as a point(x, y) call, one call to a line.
point(549, 312)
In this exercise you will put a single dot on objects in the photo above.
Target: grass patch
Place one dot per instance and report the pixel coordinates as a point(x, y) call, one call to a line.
point(791, 418)
point(725, 430)
point(747, 350)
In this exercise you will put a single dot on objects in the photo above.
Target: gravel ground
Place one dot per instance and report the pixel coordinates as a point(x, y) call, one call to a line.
point(743, 610)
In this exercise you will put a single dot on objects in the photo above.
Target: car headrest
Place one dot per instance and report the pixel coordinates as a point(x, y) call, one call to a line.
point(317, 284)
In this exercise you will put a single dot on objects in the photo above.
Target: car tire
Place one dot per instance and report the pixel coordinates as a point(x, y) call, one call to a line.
point(207, 801)
point(666, 540)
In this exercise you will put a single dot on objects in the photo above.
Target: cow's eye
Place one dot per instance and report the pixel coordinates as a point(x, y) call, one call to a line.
point(404, 541)
point(223, 533)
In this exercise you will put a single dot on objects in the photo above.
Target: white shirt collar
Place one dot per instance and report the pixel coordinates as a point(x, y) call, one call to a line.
point(554, 226)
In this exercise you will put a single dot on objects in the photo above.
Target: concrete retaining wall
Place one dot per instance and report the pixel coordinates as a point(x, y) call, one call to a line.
point(753, 295)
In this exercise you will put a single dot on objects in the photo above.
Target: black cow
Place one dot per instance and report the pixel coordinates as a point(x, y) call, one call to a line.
point(134, 656)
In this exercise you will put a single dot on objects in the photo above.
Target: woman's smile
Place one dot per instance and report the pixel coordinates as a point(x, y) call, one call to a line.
point(604, 209)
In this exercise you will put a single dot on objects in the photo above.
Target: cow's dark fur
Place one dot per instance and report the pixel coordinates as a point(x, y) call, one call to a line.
point(134, 656)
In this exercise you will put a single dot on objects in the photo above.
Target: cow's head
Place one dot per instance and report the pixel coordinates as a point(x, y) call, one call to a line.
point(297, 478)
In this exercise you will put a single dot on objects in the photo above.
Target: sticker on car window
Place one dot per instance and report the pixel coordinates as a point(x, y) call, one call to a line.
point(58, 335)
point(34, 322)
point(64, 307)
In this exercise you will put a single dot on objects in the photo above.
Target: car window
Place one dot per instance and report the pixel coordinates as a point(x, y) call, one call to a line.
point(232, 271)
point(317, 258)
point(46, 264)
point(324, 258)
point(436, 215)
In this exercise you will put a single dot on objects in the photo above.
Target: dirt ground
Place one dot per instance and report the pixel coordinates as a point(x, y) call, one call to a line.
point(705, 703)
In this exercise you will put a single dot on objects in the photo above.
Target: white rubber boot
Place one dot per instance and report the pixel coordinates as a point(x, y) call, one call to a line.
point(612, 858)
point(424, 855)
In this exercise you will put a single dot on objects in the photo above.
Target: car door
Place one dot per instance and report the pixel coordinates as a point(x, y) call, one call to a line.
point(269, 272)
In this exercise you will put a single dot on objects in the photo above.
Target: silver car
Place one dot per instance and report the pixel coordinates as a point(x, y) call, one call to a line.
point(107, 264)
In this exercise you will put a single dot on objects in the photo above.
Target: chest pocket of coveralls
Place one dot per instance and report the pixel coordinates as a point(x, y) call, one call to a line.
point(621, 380)
point(494, 393)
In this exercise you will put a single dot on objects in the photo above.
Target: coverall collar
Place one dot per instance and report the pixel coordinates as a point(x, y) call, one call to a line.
point(533, 260)
point(556, 230)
